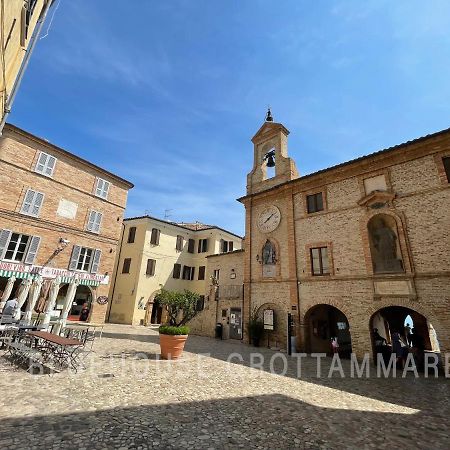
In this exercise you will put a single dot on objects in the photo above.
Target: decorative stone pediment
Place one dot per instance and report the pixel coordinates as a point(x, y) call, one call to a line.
point(377, 199)
point(268, 129)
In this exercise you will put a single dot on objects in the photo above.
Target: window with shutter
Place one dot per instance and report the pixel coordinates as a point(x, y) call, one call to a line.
point(230, 246)
point(45, 164)
point(192, 275)
point(74, 257)
point(180, 243)
point(126, 265)
point(154, 240)
point(314, 202)
point(201, 273)
point(32, 250)
point(96, 261)
point(151, 265)
point(4, 240)
point(95, 219)
point(131, 235)
point(102, 188)
point(191, 245)
point(222, 246)
point(17, 247)
point(32, 203)
point(176, 271)
point(202, 245)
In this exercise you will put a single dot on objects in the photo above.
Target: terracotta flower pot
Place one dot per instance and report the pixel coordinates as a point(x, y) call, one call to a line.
point(172, 346)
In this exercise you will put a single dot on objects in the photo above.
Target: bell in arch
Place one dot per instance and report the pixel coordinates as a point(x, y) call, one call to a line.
point(270, 158)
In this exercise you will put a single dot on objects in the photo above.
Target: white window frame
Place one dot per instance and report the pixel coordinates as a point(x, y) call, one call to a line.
point(102, 188)
point(85, 249)
point(32, 203)
point(94, 221)
point(17, 246)
point(45, 164)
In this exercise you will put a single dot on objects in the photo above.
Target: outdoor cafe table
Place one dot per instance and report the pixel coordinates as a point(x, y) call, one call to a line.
point(61, 350)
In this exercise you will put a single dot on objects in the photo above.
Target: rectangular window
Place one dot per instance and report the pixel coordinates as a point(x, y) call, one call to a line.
point(45, 164)
point(176, 271)
point(180, 243)
point(154, 239)
point(95, 219)
point(32, 203)
point(216, 274)
point(202, 245)
point(446, 162)
point(188, 273)
point(151, 265)
point(319, 261)
point(17, 247)
point(131, 235)
point(126, 265)
point(200, 306)
point(314, 202)
point(85, 259)
point(201, 273)
point(191, 245)
point(102, 188)
point(226, 246)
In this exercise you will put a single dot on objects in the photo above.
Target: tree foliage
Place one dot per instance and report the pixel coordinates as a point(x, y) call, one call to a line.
point(180, 306)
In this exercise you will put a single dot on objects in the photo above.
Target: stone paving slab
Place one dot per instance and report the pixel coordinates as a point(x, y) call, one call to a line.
point(127, 398)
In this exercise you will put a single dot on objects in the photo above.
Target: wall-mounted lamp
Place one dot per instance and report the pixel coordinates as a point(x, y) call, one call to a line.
point(62, 244)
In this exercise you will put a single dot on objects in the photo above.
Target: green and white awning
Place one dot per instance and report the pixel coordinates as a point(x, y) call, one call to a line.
point(82, 282)
point(13, 273)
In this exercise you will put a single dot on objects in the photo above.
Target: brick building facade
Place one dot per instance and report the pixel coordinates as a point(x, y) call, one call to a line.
point(60, 222)
point(358, 246)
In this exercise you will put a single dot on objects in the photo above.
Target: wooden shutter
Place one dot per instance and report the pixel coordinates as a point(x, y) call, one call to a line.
point(32, 249)
point(176, 271)
point(201, 273)
point(74, 257)
point(151, 265)
point(131, 235)
point(191, 245)
point(222, 246)
point(96, 261)
point(230, 246)
point(180, 243)
point(154, 240)
point(192, 273)
point(37, 203)
point(50, 166)
point(41, 162)
point(91, 221)
point(4, 240)
point(97, 222)
point(205, 245)
point(28, 201)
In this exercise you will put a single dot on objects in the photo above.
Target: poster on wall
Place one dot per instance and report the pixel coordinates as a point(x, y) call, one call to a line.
point(268, 319)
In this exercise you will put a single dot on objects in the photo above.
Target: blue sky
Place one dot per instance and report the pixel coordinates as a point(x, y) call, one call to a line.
point(168, 93)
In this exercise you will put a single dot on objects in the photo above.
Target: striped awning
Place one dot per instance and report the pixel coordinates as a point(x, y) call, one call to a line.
point(12, 273)
point(82, 282)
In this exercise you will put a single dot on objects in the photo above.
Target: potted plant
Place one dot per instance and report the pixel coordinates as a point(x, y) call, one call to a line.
point(255, 327)
point(180, 307)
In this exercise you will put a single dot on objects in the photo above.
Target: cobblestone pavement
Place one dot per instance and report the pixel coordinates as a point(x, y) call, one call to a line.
point(127, 398)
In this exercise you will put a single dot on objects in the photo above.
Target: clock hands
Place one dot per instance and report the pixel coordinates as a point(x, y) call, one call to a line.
point(269, 218)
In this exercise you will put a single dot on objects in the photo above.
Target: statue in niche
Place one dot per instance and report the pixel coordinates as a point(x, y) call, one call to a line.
point(384, 242)
point(268, 253)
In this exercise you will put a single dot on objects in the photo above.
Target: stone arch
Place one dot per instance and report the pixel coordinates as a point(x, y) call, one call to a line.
point(278, 336)
point(324, 321)
point(153, 312)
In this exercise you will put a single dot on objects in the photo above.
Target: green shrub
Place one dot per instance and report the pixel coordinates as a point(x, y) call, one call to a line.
point(180, 306)
point(173, 331)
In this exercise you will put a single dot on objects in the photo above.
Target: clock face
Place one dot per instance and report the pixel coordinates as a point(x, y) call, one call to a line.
point(269, 219)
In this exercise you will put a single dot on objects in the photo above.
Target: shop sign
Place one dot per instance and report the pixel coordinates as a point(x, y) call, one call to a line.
point(53, 272)
point(268, 319)
point(102, 300)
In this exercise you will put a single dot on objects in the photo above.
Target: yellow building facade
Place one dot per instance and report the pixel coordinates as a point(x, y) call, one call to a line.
point(20, 21)
point(157, 254)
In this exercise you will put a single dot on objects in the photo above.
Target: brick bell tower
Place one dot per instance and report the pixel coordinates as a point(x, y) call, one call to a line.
point(270, 146)
point(270, 275)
